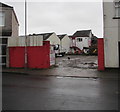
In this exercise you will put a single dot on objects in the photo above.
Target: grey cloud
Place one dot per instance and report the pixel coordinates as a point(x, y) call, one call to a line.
point(60, 17)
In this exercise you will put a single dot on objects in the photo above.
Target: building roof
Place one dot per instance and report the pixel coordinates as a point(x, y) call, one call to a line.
point(5, 5)
point(82, 33)
point(61, 36)
point(45, 35)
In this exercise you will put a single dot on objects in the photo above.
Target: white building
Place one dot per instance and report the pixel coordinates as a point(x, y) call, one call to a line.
point(9, 27)
point(111, 12)
point(81, 40)
point(64, 42)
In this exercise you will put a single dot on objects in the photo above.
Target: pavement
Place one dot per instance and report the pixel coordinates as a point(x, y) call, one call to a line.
point(65, 72)
point(29, 92)
point(76, 66)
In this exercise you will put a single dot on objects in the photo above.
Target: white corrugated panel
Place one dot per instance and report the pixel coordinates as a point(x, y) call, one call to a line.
point(39, 40)
point(31, 41)
point(36, 40)
point(28, 41)
point(21, 41)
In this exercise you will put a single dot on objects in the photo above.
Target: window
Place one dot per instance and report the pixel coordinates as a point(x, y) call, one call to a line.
point(3, 49)
point(79, 39)
point(117, 10)
point(2, 19)
point(3, 41)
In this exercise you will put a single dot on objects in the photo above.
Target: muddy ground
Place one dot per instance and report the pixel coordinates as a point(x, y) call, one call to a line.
point(77, 61)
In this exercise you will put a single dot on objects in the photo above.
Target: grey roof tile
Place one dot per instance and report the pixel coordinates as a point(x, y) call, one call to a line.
point(82, 33)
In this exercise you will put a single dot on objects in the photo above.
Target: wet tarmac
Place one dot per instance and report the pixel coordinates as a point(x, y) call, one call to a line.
point(75, 84)
point(58, 93)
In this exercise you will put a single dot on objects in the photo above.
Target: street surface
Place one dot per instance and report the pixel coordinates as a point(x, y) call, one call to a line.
point(57, 92)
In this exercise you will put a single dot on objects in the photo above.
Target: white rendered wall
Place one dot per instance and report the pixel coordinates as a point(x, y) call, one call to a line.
point(83, 43)
point(66, 43)
point(15, 26)
point(110, 36)
point(54, 39)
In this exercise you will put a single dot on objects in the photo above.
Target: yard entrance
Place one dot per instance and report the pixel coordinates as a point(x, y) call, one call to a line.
point(77, 61)
point(75, 66)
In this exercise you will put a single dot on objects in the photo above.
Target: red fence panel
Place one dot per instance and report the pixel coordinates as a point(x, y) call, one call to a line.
point(101, 65)
point(16, 57)
point(39, 56)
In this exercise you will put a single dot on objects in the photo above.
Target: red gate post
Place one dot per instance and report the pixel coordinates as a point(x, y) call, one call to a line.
point(101, 65)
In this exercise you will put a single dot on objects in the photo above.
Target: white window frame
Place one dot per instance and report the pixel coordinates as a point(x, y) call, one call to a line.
point(117, 10)
point(2, 18)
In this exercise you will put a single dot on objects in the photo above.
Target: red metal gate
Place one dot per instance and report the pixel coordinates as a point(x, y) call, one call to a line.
point(16, 57)
point(37, 56)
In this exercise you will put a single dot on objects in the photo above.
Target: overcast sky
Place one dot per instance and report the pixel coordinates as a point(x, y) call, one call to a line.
point(61, 17)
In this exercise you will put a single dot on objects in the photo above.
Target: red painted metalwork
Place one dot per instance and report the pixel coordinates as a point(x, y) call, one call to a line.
point(76, 50)
point(16, 57)
point(38, 56)
point(101, 65)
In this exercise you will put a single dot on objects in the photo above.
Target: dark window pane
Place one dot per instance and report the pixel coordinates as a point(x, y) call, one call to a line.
point(3, 49)
point(4, 40)
point(3, 59)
